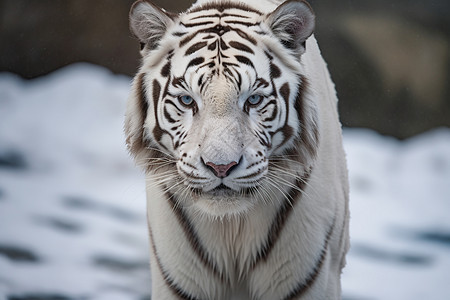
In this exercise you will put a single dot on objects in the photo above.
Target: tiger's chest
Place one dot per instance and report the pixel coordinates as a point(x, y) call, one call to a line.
point(242, 258)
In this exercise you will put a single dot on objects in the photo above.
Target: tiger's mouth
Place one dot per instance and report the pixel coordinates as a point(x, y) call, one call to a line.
point(224, 191)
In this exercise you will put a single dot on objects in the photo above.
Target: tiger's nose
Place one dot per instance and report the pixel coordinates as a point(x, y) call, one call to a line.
point(221, 171)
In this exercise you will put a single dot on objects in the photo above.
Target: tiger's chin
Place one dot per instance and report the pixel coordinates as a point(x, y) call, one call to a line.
point(223, 202)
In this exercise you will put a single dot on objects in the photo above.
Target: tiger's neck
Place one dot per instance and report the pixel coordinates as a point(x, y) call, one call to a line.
point(235, 242)
point(230, 247)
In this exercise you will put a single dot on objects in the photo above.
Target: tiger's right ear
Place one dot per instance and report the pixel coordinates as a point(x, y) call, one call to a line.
point(292, 23)
point(149, 23)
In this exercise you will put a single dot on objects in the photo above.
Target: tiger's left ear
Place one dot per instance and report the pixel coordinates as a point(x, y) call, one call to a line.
point(292, 23)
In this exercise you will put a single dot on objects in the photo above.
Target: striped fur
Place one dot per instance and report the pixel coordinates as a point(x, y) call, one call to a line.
point(233, 117)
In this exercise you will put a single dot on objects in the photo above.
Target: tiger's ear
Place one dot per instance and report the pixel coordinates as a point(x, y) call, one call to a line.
point(149, 23)
point(292, 23)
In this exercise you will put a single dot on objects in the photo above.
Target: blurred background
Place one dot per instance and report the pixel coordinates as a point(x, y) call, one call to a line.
point(72, 203)
point(389, 59)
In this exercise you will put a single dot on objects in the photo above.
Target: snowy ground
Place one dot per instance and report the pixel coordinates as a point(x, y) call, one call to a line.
point(72, 221)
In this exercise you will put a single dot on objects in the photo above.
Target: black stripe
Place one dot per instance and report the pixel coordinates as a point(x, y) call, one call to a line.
point(206, 17)
point(216, 29)
point(287, 130)
point(187, 39)
point(219, 30)
point(168, 117)
point(223, 46)
point(179, 34)
point(241, 47)
point(165, 71)
point(235, 15)
point(213, 46)
point(222, 15)
point(263, 138)
point(275, 72)
point(234, 77)
point(271, 102)
point(244, 60)
point(305, 285)
point(280, 220)
point(170, 102)
point(260, 82)
point(285, 92)
point(176, 145)
point(179, 82)
point(194, 48)
point(200, 80)
point(274, 112)
point(307, 140)
point(192, 237)
point(245, 36)
point(248, 24)
point(156, 88)
point(195, 62)
point(222, 6)
point(239, 80)
point(197, 24)
point(177, 290)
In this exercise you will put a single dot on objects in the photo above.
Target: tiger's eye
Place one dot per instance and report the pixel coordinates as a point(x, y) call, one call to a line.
point(186, 100)
point(254, 99)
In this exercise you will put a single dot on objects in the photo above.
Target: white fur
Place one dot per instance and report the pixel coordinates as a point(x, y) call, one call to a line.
point(233, 229)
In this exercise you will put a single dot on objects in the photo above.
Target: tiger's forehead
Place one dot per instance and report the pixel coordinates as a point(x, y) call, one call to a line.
point(222, 10)
point(217, 21)
point(217, 40)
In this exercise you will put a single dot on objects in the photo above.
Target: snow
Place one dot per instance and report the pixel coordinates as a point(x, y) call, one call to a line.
point(400, 225)
point(72, 203)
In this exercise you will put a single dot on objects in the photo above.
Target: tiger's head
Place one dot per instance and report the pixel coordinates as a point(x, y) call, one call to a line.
point(220, 114)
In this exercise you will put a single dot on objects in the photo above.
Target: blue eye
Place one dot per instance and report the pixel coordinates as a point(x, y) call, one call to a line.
point(186, 100)
point(254, 99)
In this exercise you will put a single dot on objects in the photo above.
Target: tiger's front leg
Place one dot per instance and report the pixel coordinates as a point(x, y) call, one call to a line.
point(160, 290)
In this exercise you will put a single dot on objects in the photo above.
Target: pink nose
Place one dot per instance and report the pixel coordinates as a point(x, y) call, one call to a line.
point(221, 171)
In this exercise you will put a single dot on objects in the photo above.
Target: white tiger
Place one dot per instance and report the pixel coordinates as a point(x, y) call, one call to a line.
point(233, 117)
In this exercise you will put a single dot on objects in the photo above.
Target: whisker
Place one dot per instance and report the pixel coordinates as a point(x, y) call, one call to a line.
point(286, 181)
point(265, 195)
point(286, 195)
point(159, 150)
point(275, 162)
point(298, 177)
